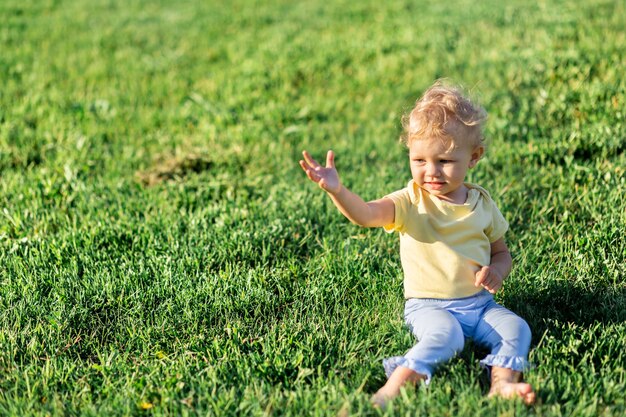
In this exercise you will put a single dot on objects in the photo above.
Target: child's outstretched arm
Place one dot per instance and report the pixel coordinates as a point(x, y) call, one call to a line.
point(375, 213)
point(491, 277)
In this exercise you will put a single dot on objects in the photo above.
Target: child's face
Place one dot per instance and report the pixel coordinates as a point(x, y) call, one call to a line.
point(440, 170)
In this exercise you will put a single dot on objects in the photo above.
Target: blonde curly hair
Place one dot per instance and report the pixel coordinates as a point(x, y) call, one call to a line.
point(445, 113)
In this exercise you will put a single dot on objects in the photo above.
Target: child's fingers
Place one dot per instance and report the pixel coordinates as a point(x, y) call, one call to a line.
point(305, 166)
point(312, 176)
point(493, 288)
point(481, 276)
point(488, 281)
point(309, 160)
point(309, 172)
point(493, 283)
point(330, 159)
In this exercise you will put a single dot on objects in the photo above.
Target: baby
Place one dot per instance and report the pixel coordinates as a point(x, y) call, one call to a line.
point(452, 247)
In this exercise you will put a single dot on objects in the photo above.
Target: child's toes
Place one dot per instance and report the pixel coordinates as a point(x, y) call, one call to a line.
point(515, 390)
point(380, 400)
point(527, 394)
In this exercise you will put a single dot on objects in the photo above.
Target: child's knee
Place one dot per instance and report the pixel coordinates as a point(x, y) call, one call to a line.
point(518, 333)
point(449, 339)
point(524, 331)
point(458, 343)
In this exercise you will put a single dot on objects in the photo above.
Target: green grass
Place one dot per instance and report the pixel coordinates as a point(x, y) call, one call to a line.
point(162, 254)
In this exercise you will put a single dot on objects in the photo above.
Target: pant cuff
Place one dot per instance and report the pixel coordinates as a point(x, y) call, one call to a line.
point(390, 364)
point(516, 363)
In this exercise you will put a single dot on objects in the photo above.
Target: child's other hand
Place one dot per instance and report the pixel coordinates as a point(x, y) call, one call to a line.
point(327, 178)
point(489, 279)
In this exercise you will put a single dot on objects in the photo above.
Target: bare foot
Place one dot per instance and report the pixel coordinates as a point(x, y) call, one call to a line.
point(381, 399)
point(507, 383)
point(401, 377)
point(507, 389)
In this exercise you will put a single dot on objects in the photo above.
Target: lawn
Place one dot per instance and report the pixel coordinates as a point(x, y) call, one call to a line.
point(161, 252)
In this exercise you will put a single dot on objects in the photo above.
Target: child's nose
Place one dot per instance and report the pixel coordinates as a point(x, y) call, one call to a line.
point(432, 170)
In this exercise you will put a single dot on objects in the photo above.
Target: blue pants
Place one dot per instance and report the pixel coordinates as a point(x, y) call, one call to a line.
point(441, 327)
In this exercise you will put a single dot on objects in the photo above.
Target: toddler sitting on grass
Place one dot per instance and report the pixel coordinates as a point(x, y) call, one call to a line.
point(452, 248)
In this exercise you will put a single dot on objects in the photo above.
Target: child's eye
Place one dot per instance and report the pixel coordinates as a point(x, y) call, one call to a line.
point(446, 161)
point(419, 161)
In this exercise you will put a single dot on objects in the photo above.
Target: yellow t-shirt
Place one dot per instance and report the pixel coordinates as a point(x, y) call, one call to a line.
point(443, 245)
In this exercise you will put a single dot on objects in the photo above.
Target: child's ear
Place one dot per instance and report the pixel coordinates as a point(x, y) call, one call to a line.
point(477, 153)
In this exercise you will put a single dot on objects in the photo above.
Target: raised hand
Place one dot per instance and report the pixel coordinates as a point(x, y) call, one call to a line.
point(326, 177)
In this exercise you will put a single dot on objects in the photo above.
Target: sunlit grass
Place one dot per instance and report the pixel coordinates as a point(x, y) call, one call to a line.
point(161, 253)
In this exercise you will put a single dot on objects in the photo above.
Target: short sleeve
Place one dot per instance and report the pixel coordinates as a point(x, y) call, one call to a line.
point(402, 202)
point(498, 226)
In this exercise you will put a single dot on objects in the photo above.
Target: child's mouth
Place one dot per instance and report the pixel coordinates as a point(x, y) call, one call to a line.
point(436, 185)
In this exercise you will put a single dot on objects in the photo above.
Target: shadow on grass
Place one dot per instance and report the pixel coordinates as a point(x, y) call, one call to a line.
point(564, 310)
point(566, 301)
